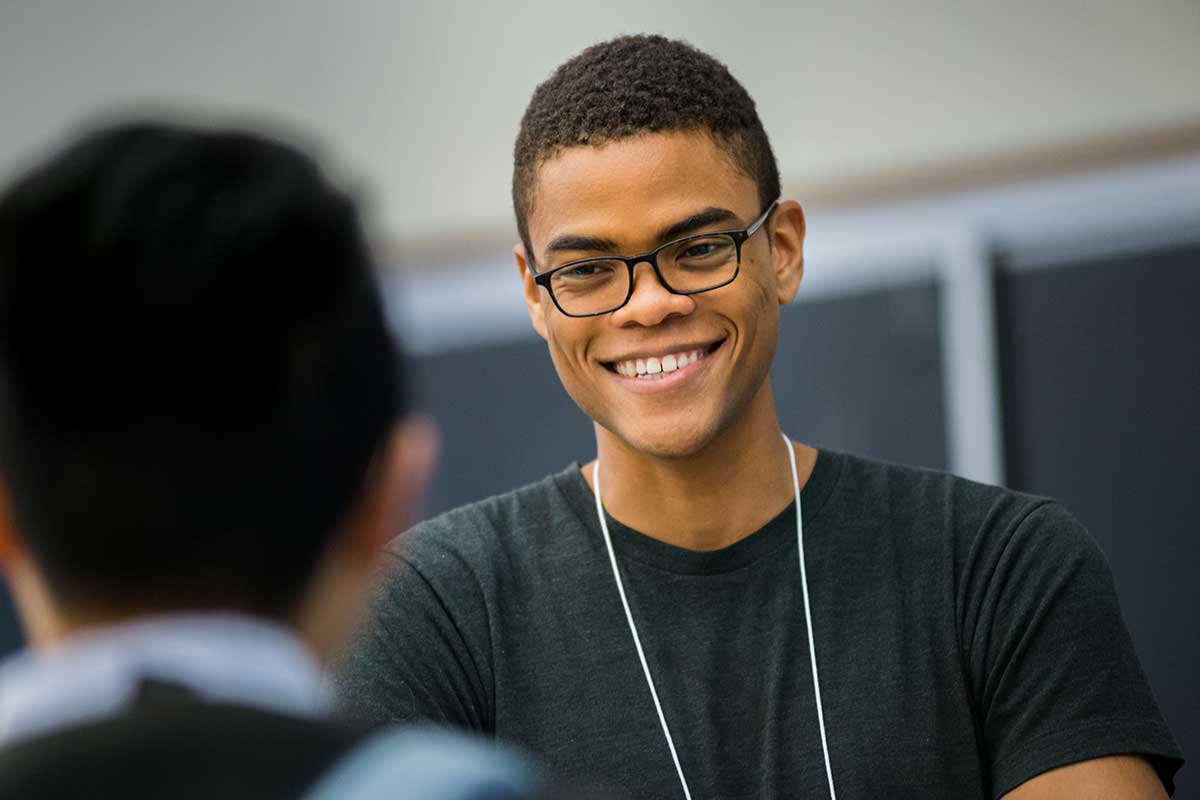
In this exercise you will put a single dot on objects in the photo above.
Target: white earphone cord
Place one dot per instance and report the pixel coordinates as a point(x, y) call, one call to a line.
point(812, 650)
point(637, 642)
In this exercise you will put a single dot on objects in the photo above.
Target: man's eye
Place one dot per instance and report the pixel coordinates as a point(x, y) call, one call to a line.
point(700, 250)
point(584, 271)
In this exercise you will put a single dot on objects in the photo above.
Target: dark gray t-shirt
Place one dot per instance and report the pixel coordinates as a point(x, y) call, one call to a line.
point(968, 638)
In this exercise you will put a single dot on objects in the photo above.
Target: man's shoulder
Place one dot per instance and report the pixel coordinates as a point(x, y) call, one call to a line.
point(921, 499)
point(863, 473)
point(525, 517)
point(540, 498)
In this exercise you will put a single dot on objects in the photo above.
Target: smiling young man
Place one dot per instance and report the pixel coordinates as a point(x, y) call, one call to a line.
point(709, 609)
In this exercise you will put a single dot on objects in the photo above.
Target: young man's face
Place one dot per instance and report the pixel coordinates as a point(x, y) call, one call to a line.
point(624, 197)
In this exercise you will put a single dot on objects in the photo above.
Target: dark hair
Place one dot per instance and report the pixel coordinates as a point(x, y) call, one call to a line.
point(195, 368)
point(633, 85)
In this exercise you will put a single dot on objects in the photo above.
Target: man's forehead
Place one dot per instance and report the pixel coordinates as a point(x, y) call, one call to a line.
point(632, 187)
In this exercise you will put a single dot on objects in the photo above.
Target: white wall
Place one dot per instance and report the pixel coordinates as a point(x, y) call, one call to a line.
point(422, 99)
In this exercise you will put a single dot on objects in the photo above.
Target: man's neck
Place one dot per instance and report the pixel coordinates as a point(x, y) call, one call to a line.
point(708, 500)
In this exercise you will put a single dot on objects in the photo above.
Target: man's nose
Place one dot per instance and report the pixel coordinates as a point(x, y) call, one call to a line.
point(651, 301)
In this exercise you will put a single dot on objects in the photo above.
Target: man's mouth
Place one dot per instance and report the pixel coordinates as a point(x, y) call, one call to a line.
point(657, 367)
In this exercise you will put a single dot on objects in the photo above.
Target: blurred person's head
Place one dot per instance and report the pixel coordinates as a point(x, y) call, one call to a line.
point(628, 147)
point(201, 407)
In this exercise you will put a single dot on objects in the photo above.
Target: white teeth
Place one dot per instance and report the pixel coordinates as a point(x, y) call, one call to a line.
point(654, 368)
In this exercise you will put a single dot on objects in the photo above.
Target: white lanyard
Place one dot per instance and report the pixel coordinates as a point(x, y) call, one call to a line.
point(637, 642)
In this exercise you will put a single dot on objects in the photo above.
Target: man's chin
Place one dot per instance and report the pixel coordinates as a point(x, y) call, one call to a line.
point(667, 442)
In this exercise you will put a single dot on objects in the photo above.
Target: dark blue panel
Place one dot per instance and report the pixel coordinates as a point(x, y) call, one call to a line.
point(505, 419)
point(863, 374)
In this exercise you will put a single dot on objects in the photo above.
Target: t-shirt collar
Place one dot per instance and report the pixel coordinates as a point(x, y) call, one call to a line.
point(778, 533)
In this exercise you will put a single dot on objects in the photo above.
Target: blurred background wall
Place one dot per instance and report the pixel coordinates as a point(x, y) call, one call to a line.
point(1003, 270)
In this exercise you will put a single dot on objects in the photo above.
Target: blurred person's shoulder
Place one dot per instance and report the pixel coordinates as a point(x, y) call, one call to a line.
point(181, 748)
point(202, 750)
point(432, 764)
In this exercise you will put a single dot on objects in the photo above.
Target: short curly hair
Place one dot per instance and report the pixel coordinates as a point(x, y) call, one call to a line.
point(632, 85)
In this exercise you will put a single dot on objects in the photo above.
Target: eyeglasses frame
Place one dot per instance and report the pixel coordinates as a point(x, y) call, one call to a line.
point(651, 257)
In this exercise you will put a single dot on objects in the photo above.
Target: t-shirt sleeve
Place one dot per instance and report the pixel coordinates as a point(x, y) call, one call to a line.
point(422, 651)
point(1052, 663)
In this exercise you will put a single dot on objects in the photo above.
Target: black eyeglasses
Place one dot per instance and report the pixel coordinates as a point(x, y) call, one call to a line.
point(589, 287)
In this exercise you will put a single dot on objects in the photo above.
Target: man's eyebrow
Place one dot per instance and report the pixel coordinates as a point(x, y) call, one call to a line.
point(569, 243)
point(693, 223)
point(585, 244)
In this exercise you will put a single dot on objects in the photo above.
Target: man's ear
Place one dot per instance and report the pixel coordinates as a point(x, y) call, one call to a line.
point(534, 297)
point(787, 243)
